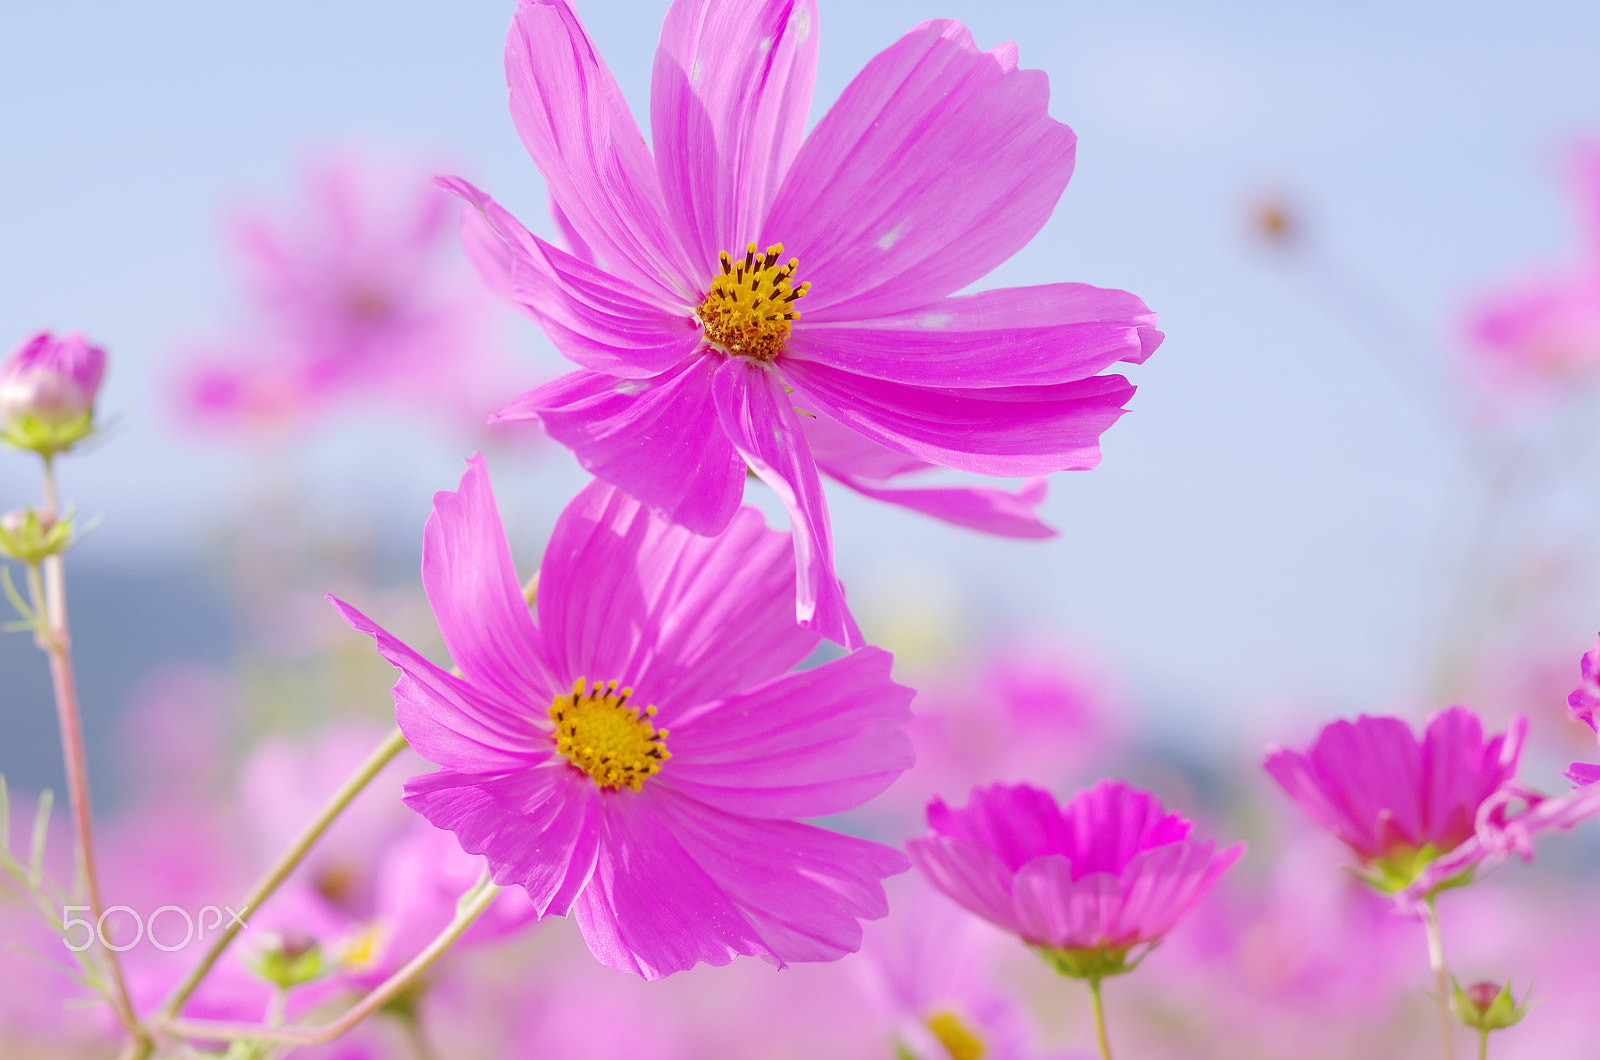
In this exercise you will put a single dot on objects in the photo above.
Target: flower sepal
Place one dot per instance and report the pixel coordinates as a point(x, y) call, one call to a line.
point(1487, 1006)
point(1403, 866)
point(30, 536)
point(288, 959)
point(45, 435)
point(1092, 962)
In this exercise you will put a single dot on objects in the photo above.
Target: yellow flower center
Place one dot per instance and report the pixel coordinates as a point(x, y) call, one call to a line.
point(751, 303)
point(959, 1040)
point(599, 733)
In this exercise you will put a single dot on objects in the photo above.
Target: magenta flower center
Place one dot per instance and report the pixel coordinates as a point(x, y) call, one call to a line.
point(751, 303)
point(597, 731)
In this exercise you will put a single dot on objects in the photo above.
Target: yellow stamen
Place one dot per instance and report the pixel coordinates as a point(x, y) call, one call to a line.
point(599, 733)
point(751, 303)
point(959, 1040)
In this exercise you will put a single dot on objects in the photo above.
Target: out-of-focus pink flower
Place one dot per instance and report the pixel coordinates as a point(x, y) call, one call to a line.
point(358, 294)
point(1584, 701)
point(703, 353)
point(1544, 331)
point(1398, 802)
point(48, 388)
point(1084, 883)
point(670, 828)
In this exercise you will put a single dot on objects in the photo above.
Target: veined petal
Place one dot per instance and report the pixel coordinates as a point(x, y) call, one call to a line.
point(650, 909)
point(576, 125)
point(657, 438)
point(937, 163)
point(1057, 907)
point(446, 720)
point(969, 873)
point(627, 596)
point(598, 320)
point(1007, 431)
point(760, 420)
point(1162, 884)
point(806, 904)
point(806, 744)
point(476, 595)
point(1017, 336)
point(982, 508)
point(728, 105)
point(536, 827)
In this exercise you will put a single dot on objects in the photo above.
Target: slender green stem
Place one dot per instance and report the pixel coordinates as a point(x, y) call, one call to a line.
point(1099, 1020)
point(392, 745)
point(1483, 1045)
point(472, 905)
point(1441, 978)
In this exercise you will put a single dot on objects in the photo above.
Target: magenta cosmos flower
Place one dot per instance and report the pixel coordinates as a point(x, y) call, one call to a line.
point(1584, 701)
point(638, 754)
point(1084, 883)
point(746, 295)
point(1398, 802)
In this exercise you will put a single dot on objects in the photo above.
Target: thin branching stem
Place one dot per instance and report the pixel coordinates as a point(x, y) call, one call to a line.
point(1441, 977)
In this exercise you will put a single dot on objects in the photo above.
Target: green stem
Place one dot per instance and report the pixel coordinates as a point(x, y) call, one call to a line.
point(392, 745)
point(1483, 1045)
point(1441, 978)
point(1099, 1019)
point(471, 906)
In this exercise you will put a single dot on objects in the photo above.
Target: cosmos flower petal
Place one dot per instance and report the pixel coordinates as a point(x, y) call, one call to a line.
point(1056, 907)
point(1014, 821)
point(728, 106)
point(1008, 431)
point(970, 873)
point(687, 619)
point(1165, 883)
point(650, 909)
point(476, 595)
point(806, 744)
point(656, 438)
point(1014, 336)
point(535, 826)
point(447, 720)
point(1458, 773)
point(1110, 823)
point(982, 508)
point(806, 904)
point(600, 321)
point(937, 163)
point(761, 420)
point(576, 125)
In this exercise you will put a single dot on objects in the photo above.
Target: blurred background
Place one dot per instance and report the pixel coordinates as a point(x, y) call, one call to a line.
point(1321, 501)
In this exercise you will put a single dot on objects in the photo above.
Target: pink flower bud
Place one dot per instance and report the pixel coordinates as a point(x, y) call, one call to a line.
point(47, 391)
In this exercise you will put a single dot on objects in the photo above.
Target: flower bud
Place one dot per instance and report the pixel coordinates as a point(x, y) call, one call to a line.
point(287, 958)
point(47, 392)
point(1486, 1006)
point(29, 536)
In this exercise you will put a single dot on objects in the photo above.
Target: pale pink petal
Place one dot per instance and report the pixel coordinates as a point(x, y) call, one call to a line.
point(761, 421)
point(1163, 883)
point(600, 321)
point(576, 125)
point(650, 909)
point(807, 903)
point(682, 619)
point(982, 508)
point(446, 720)
point(807, 744)
point(1061, 907)
point(937, 163)
point(536, 827)
point(476, 594)
point(1005, 431)
point(1016, 336)
point(728, 106)
point(657, 439)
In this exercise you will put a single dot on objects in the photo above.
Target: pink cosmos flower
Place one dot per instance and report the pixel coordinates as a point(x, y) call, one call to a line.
point(746, 295)
point(354, 294)
point(1085, 882)
point(1545, 330)
point(639, 754)
point(1398, 802)
point(48, 388)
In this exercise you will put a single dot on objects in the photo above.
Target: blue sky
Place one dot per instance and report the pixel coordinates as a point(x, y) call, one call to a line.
point(1274, 516)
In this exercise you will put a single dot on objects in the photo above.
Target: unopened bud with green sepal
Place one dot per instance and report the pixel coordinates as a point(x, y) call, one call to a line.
point(31, 537)
point(1487, 1006)
point(287, 959)
point(48, 389)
